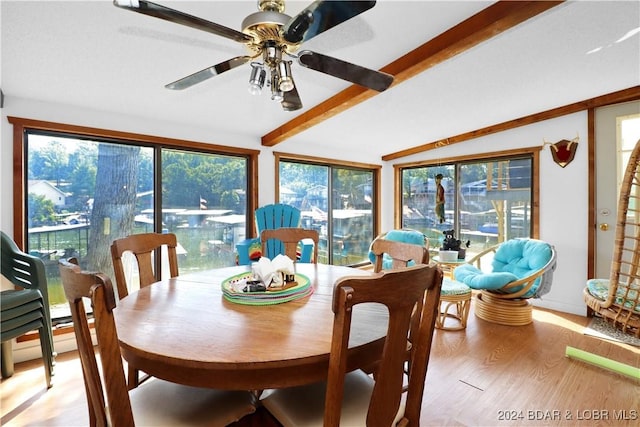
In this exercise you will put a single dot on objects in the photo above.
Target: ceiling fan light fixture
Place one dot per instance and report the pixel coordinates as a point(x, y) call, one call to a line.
point(276, 93)
point(285, 77)
point(271, 54)
point(127, 3)
point(257, 78)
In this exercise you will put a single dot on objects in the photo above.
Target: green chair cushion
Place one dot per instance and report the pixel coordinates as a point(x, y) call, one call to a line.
point(599, 288)
point(453, 287)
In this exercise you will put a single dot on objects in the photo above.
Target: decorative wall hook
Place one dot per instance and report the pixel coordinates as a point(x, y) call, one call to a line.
point(563, 151)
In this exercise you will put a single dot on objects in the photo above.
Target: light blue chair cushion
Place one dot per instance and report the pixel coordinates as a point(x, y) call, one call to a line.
point(522, 257)
point(405, 236)
point(515, 259)
point(476, 279)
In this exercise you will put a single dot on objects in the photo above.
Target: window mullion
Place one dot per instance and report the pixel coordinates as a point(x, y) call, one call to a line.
point(157, 206)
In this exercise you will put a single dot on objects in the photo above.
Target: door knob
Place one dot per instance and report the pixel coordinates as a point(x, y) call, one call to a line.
point(604, 226)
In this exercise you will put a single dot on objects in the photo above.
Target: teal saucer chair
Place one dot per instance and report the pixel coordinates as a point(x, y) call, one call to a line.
point(521, 269)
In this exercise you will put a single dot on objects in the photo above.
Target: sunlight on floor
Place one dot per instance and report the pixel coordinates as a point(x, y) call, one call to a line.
point(577, 325)
point(64, 401)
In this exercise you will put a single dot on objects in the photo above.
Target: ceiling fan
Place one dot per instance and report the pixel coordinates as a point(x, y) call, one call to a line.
point(271, 36)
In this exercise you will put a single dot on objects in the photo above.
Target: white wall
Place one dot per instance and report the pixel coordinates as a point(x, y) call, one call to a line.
point(563, 198)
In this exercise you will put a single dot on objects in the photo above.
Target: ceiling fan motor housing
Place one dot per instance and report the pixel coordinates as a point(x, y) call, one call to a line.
point(266, 26)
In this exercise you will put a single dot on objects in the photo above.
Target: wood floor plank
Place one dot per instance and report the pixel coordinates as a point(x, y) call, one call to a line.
point(486, 375)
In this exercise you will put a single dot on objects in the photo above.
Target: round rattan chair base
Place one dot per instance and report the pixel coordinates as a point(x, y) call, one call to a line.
point(510, 312)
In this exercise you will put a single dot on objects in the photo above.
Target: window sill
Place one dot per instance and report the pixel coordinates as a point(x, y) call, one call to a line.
point(61, 329)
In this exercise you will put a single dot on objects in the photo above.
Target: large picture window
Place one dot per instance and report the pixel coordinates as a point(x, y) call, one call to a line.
point(486, 201)
point(340, 201)
point(82, 192)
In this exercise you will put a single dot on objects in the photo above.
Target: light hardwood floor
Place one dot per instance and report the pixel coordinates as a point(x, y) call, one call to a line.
point(487, 375)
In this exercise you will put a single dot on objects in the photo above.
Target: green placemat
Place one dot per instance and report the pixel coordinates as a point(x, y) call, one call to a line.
point(301, 290)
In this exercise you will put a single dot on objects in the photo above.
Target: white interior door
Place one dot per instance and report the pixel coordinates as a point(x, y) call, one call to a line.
point(608, 173)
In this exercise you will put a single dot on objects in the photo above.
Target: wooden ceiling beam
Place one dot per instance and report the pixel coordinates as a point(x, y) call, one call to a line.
point(480, 27)
point(625, 95)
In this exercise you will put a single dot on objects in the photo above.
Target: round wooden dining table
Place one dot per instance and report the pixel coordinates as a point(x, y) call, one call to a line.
point(183, 330)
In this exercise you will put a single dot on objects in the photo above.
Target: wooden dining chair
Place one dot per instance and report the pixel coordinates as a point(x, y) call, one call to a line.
point(143, 247)
point(291, 239)
point(354, 398)
point(400, 253)
point(156, 402)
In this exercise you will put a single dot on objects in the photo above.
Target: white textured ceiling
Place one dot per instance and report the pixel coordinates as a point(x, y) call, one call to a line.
point(94, 55)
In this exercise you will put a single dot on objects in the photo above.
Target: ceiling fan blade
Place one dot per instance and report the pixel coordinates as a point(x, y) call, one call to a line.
point(207, 73)
point(291, 100)
point(362, 76)
point(320, 16)
point(171, 15)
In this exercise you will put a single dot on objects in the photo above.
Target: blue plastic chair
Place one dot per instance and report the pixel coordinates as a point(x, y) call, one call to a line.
point(271, 217)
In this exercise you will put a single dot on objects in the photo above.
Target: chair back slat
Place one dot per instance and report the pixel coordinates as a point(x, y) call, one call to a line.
point(143, 246)
point(288, 239)
point(401, 253)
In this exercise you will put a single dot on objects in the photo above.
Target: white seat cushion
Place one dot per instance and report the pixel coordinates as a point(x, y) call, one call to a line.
point(161, 403)
point(304, 406)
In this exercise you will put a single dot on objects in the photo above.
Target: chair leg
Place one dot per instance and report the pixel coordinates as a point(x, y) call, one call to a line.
point(459, 306)
point(48, 333)
point(133, 378)
point(47, 355)
point(7, 359)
